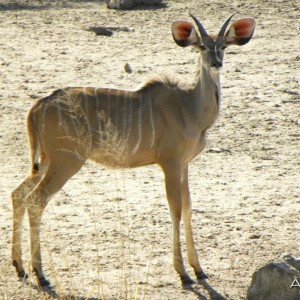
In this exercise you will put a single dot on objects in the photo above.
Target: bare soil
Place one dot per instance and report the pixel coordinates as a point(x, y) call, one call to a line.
point(107, 234)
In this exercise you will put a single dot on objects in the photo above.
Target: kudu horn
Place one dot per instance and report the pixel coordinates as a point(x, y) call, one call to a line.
point(201, 28)
point(224, 26)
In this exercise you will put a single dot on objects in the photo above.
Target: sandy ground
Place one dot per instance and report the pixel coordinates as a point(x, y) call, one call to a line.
point(107, 234)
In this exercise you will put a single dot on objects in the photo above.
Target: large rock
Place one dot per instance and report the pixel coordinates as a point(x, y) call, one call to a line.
point(126, 4)
point(276, 281)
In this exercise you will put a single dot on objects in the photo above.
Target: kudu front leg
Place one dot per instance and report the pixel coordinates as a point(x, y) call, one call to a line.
point(172, 171)
point(186, 215)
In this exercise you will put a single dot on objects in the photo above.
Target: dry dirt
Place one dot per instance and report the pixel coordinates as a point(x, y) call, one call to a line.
point(107, 234)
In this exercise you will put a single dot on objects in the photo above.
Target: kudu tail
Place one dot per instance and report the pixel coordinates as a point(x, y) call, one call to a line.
point(34, 144)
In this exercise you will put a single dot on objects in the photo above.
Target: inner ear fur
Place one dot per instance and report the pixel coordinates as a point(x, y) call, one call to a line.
point(240, 32)
point(184, 33)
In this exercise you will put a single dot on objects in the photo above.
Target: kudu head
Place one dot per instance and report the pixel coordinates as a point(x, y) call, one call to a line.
point(212, 47)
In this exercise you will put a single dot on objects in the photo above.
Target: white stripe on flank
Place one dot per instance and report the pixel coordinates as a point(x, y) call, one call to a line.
point(121, 118)
point(86, 101)
point(74, 120)
point(115, 118)
point(86, 119)
point(108, 106)
point(129, 120)
point(44, 114)
point(59, 112)
point(151, 121)
point(98, 118)
point(139, 120)
point(124, 119)
point(66, 129)
point(62, 121)
point(73, 116)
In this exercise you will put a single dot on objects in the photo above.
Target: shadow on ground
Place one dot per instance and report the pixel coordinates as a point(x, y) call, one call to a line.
point(213, 294)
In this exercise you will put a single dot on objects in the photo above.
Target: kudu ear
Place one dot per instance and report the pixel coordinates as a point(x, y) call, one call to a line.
point(184, 34)
point(240, 32)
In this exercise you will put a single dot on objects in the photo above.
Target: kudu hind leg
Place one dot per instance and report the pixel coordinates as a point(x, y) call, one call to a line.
point(186, 216)
point(55, 178)
point(172, 171)
point(19, 206)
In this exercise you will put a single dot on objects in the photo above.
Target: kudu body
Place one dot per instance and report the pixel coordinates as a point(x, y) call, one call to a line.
point(161, 123)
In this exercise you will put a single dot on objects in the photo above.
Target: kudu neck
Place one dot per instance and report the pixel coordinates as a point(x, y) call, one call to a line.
point(206, 88)
point(204, 74)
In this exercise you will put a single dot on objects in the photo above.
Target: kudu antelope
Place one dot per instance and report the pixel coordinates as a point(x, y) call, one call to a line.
point(163, 123)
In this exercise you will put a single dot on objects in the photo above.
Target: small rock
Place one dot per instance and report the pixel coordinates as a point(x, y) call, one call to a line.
point(100, 30)
point(254, 236)
point(33, 96)
point(127, 68)
point(216, 150)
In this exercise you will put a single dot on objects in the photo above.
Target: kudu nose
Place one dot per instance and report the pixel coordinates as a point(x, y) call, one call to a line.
point(217, 64)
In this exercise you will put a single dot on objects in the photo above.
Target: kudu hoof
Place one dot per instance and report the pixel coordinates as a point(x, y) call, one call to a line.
point(186, 280)
point(201, 275)
point(21, 274)
point(43, 282)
